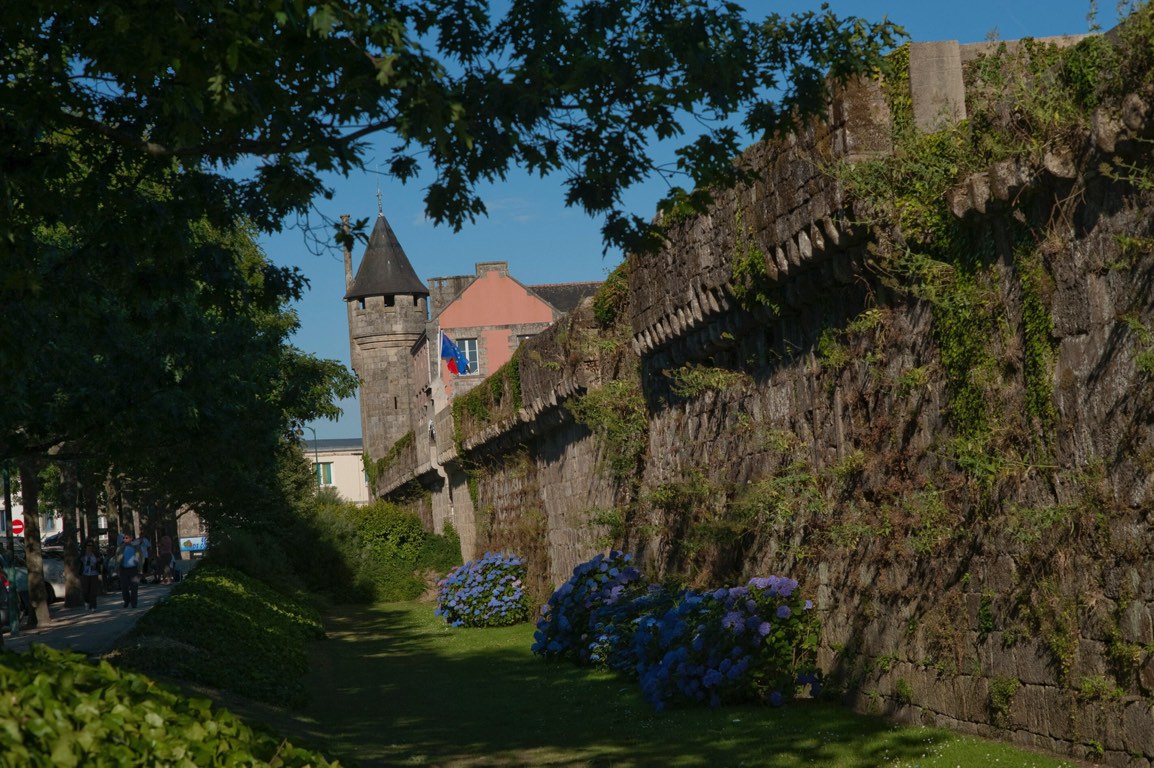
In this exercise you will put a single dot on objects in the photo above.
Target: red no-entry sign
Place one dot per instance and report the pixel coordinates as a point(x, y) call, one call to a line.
point(17, 527)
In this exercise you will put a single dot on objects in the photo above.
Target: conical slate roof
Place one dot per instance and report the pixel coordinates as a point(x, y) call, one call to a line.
point(385, 269)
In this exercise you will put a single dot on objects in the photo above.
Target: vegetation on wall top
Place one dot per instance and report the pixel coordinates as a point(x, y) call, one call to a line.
point(1026, 102)
point(498, 397)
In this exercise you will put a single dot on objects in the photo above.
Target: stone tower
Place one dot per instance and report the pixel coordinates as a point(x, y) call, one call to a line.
point(388, 309)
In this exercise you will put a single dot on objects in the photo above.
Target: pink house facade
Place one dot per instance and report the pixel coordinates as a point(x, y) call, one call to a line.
point(395, 327)
point(488, 315)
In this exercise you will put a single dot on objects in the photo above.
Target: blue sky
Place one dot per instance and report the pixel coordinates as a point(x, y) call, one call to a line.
point(528, 224)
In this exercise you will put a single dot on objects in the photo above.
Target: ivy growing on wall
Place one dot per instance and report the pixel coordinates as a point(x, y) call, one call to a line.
point(611, 301)
point(375, 469)
point(498, 397)
point(1023, 100)
point(616, 413)
point(752, 286)
point(691, 380)
point(1037, 335)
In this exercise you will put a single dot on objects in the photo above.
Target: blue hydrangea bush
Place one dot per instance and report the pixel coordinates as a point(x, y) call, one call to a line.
point(752, 643)
point(738, 644)
point(487, 592)
point(567, 627)
point(615, 626)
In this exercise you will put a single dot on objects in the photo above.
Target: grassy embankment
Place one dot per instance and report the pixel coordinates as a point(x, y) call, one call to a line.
point(393, 685)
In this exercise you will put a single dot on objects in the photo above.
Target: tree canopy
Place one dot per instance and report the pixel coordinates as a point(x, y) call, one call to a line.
point(142, 146)
point(577, 87)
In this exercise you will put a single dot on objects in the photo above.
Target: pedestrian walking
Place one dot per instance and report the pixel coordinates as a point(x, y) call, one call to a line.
point(164, 560)
point(128, 560)
point(145, 547)
point(90, 575)
point(24, 597)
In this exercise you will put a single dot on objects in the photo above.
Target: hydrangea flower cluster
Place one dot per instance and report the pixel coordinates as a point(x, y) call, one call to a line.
point(737, 644)
point(567, 625)
point(613, 644)
point(750, 643)
point(487, 592)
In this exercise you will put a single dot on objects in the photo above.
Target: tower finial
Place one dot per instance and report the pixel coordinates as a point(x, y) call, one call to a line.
point(380, 206)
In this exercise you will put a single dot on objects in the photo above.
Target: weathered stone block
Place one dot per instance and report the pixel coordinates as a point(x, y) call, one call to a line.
point(1138, 727)
point(1034, 663)
point(862, 116)
point(936, 85)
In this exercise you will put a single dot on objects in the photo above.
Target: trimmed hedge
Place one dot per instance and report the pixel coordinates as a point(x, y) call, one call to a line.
point(224, 629)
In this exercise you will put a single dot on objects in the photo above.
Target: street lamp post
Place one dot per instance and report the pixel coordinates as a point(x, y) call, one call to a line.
point(316, 456)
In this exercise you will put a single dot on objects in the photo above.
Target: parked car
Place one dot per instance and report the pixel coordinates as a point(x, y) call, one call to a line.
point(4, 587)
point(17, 570)
point(54, 575)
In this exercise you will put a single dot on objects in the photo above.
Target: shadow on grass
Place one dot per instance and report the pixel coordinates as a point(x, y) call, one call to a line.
point(394, 686)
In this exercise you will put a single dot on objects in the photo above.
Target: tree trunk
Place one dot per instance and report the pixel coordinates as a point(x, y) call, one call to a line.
point(112, 510)
point(69, 514)
point(91, 503)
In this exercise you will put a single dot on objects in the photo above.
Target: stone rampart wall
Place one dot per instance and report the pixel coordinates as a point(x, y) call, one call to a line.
point(1014, 602)
point(796, 209)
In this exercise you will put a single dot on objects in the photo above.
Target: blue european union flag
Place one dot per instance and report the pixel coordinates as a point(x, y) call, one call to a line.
point(458, 363)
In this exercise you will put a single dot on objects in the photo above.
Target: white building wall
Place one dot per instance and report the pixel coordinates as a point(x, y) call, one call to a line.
point(348, 473)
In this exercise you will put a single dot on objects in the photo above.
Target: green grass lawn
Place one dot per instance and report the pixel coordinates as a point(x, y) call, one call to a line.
point(393, 685)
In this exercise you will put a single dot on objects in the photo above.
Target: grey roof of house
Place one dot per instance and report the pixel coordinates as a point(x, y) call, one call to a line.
point(333, 444)
point(565, 296)
point(385, 269)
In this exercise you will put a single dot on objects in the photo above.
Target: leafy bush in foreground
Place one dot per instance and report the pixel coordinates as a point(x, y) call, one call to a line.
point(58, 709)
point(750, 643)
point(488, 592)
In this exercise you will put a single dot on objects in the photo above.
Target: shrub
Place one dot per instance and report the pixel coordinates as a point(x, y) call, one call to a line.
point(440, 553)
point(63, 710)
point(615, 626)
point(388, 579)
point(752, 643)
point(488, 592)
point(738, 644)
point(221, 628)
point(383, 551)
point(387, 531)
point(567, 625)
point(257, 554)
